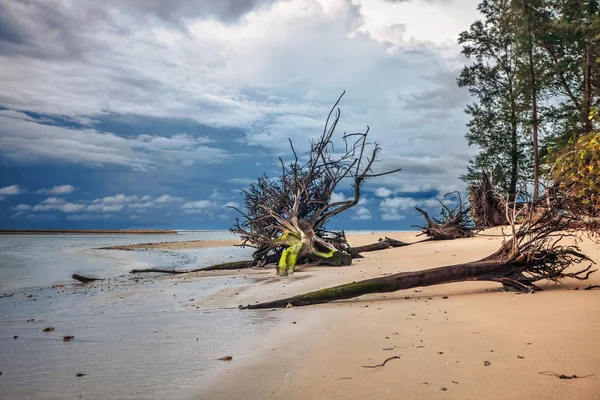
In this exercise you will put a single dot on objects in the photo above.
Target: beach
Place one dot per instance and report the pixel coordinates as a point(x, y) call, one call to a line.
point(445, 336)
point(155, 336)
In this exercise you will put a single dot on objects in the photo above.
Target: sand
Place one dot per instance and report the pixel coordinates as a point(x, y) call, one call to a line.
point(318, 352)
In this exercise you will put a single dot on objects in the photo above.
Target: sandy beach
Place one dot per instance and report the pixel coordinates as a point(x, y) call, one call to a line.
point(445, 336)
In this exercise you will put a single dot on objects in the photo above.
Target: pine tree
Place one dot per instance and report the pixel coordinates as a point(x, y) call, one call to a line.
point(493, 79)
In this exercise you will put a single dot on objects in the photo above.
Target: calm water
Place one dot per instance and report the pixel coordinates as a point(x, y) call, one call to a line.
point(43, 260)
point(135, 337)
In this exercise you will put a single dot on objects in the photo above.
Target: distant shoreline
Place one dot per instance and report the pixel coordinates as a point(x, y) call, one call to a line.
point(88, 232)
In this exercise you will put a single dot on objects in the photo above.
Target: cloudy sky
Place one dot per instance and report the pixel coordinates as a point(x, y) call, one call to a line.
point(147, 113)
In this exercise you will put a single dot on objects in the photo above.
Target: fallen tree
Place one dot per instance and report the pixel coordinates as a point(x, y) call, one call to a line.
point(486, 206)
point(533, 253)
point(455, 223)
point(287, 216)
point(382, 244)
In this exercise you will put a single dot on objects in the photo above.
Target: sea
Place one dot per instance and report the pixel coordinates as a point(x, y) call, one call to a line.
point(137, 338)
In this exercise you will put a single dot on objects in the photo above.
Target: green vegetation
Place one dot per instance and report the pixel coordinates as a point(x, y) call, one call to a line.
point(535, 78)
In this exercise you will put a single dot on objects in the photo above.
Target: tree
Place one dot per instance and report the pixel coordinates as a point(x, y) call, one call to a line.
point(493, 79)
point(568, 32)
point(287, 216)
point(527, 17)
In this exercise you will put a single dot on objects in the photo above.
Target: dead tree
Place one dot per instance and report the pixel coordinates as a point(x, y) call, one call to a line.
point(287, 215)
point(454, 223)
point(486, 206)
point(533, 253)
point(382, 244)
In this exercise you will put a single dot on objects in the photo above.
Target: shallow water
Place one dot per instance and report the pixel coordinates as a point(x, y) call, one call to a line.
point(141, 340)
point(42, 260)
point(136, 337)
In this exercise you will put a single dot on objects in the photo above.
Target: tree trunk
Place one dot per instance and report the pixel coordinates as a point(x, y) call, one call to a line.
point(534, 112)
point(483, 270)
point(381, 245)
point(514, 153)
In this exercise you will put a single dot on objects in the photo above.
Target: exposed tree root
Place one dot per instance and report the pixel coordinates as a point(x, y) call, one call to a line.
point(454, 223)
point(533, 254)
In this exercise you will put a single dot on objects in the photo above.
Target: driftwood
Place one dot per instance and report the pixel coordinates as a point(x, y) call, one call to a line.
point(217, 267)
point(287, 215)
point(532, 254)
point(84, 279)
point(158, 270)
point(454, 223)
point(487, 207)
point(382, 244)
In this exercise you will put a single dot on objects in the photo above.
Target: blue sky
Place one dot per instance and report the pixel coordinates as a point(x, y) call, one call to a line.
point(143, 114)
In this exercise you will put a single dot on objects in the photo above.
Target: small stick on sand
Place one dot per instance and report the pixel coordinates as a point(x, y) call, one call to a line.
point(382, 364)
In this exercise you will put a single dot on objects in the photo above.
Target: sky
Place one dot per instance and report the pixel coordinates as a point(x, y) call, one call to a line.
point(152, 114)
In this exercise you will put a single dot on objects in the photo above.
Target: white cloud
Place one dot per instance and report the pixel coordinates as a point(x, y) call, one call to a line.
point(165, 198)
point(54, 200)
point(62, 189)
point(400, 203)
point(65, 208)
point(200, 204)
point(117, 199)
point(391, 207)
point(338, 197)
point(232, 204)
point(103, 208)
point(362, 213)
point(22, 207)
point(383, 192)
point(11, 190)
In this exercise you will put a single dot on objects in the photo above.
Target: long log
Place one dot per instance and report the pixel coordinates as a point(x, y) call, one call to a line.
point(488, 269)
point(162, 271)
point(389, 283)
point(381, 245)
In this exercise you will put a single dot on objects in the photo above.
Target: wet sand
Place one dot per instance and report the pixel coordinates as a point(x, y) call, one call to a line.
point(444, 344)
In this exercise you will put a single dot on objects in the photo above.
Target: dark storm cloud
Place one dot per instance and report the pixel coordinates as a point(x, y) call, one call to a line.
point(46, 29)
point(59, 29)
point(224, 10)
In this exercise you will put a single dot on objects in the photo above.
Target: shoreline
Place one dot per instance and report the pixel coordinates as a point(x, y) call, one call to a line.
point(88, 232)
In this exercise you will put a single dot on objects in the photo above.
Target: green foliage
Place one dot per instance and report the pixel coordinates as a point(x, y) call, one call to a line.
point(577, 172)
point(492, 78)
point(534, 64)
